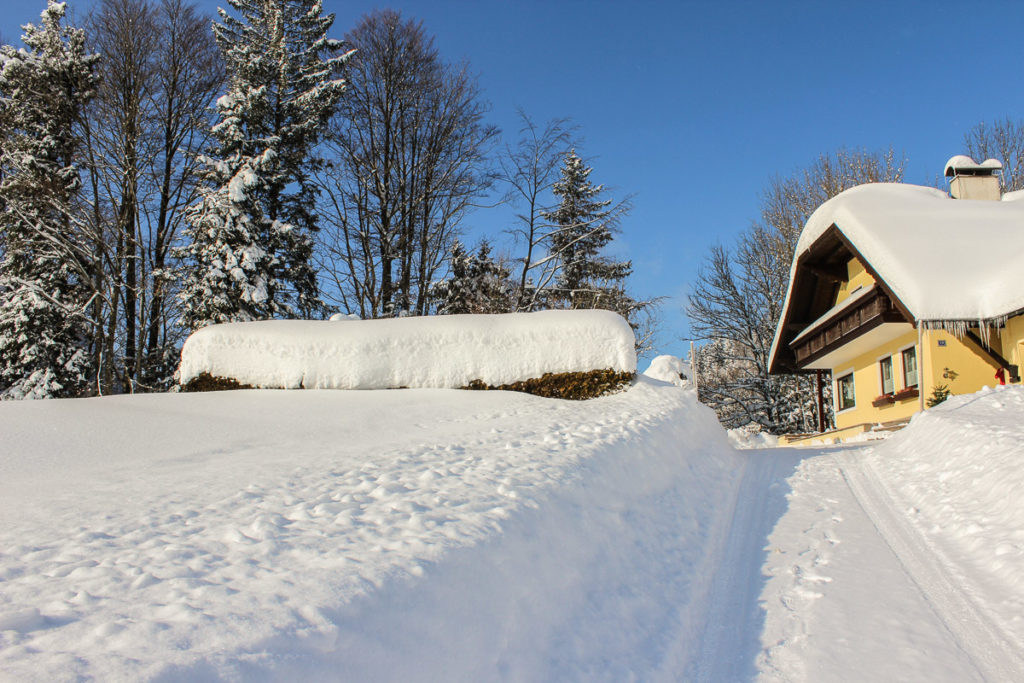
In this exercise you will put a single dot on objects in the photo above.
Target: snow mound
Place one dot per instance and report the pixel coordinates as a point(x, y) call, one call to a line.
point(748, 438)
point(436, 351)
point(668, 369)
point(958, 469)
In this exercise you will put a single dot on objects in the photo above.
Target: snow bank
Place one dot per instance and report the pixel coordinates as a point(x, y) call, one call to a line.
point(324, 535)
point(959, 470)
point(668, 369)
point(436, 351)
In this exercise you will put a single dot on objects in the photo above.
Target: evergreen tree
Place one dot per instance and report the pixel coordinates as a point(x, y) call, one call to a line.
point(44, 273)
point(252, 229)
point(583, 226)
point(477, 284)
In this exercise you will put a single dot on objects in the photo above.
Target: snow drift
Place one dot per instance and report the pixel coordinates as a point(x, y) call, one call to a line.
point(387, 535)
point(958, 469)
point(435, 351)
point(669, 369)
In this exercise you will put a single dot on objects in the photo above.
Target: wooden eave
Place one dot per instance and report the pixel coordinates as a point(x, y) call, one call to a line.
point(814, 290)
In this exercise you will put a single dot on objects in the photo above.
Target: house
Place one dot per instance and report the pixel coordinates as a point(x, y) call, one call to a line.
point(902, 293)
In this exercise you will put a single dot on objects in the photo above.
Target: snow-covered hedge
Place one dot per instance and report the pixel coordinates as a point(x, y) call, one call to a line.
point(438, 351)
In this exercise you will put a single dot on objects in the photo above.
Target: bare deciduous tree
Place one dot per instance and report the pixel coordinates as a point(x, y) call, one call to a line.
point(1002, 140)
point(188, 74)
point(529, 169)
point(737, 299)
point(124, 33)
point(160, 72)
point(409, 150)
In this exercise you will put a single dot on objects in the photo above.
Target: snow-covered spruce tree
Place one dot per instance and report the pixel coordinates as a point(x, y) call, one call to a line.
point(477, 283)
point(45, 270)
point(252, 229)
point(583, 225)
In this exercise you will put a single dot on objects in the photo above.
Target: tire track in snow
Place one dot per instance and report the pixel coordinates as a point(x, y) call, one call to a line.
point(987, 646)
point(733, 624)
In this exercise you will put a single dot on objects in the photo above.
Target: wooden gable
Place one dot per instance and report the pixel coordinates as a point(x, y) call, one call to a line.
point(820, 273)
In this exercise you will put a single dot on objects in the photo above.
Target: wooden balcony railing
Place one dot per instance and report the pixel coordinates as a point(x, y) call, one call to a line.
point(847, 324)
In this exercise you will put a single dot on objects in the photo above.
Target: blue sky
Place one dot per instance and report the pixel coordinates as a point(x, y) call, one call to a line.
point(693, 107)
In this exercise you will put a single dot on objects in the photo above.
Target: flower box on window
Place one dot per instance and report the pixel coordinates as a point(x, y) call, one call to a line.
point(883, 400)
point(909, 392)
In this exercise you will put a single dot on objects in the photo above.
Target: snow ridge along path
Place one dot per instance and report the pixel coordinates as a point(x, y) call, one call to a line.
point(990, 649)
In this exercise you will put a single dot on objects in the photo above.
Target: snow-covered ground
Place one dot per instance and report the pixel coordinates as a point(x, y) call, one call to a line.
point(897, 560)
point(384, 535)
point(445, 535)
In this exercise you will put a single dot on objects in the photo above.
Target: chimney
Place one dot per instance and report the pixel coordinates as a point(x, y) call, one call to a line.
point(971, 180)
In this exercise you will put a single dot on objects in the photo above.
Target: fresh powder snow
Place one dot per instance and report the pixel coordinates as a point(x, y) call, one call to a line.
point(894, 560)
point(958, 473)
point(447, 351)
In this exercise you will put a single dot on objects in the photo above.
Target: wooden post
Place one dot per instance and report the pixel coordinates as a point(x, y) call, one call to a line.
point(821, 401)
point(920, 366)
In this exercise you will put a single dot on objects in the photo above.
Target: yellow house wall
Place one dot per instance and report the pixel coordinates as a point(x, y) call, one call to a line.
point(867, 385)
point(973, 370)
point(856, 277)
point(1012, 339)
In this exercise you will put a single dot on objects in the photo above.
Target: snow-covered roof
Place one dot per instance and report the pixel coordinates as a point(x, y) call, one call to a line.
point(943, 258)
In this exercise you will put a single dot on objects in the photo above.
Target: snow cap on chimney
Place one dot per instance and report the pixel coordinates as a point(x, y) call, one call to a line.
point(971, 180)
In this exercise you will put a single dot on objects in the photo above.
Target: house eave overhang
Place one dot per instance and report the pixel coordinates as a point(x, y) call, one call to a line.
point(814, 270)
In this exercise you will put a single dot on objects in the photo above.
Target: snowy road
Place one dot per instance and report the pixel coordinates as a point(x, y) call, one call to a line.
point(824, 578)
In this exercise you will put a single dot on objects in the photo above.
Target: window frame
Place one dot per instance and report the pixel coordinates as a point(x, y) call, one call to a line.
point(903, 367)
point(881, 375)
point(837, 395)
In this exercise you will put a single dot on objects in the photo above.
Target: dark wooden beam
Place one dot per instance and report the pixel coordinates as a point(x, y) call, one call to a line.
point(996, 357)
point(826, 272)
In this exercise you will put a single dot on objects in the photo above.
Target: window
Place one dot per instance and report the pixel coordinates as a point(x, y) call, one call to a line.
point(910, 367)
point(844, 392)
point(885, 365)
